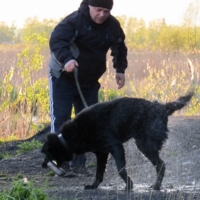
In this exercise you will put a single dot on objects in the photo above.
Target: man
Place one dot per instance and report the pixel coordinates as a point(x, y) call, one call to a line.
point(82, 40)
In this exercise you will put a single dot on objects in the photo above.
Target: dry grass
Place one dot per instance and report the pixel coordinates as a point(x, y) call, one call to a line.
point(150, 75)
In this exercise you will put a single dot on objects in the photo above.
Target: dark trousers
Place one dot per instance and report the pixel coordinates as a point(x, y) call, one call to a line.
point(62, 98)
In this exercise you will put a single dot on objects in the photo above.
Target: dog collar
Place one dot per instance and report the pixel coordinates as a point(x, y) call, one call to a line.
point(62, 140)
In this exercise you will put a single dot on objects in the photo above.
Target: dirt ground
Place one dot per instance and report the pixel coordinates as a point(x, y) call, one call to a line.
point(181, 154)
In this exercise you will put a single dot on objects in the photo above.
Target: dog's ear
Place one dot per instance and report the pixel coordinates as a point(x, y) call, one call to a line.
point(44, 150)
point(52, 141)
point(52, 138)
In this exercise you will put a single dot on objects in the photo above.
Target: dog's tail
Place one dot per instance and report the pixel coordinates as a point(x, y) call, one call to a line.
point(179, 103)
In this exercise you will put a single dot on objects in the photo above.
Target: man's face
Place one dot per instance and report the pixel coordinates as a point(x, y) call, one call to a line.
point(98, 14)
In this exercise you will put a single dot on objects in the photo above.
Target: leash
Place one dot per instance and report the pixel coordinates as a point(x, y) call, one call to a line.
point(79, 88)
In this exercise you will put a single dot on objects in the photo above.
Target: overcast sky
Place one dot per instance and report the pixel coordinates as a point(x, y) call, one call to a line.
point(19, 10)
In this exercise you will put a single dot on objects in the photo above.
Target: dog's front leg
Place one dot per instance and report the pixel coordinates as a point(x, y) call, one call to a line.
point(101, 165)
point(119, 156)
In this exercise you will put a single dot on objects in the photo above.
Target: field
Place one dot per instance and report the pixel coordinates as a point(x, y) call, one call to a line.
point(181, 154)
point(161, 76)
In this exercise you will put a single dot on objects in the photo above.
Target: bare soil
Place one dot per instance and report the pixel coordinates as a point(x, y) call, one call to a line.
point(181, 154)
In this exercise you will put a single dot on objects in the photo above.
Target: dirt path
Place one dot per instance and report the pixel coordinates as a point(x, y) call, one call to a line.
point(182, 178)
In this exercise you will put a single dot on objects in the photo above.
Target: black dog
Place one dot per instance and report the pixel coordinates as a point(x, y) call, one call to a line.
point(104, 127)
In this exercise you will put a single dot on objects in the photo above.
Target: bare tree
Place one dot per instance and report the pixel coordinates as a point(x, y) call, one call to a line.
point(191, 23)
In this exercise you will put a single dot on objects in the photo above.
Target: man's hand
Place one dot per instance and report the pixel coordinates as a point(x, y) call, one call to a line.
point(70, 65)
point(120, 78)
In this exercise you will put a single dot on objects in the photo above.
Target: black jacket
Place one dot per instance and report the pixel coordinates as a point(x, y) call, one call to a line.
point(78, 37)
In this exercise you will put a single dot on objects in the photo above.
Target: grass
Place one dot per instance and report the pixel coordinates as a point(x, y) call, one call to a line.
point(151, 75)
point(24, 190)
point(6, 155)
point(4, 177)
point(28, 146)
point(23, 147)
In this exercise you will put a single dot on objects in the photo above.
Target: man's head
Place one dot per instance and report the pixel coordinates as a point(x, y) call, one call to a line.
point(100, 10)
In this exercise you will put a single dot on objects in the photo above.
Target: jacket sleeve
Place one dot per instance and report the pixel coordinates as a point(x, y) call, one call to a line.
point(61, 38)
point(119, 53)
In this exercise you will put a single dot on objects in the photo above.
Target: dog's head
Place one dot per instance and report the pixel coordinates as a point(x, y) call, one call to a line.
point(55, 151)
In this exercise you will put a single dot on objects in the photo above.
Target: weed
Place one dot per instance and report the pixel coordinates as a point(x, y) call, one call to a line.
point(28, 146)
point(4, 177)
point(6, 155)
point(19, 176)
point(24, 190)
point(90, 165)
point(24, 102)
point(50, 173)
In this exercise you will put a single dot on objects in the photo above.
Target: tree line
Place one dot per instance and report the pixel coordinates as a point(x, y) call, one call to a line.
point(157, 35)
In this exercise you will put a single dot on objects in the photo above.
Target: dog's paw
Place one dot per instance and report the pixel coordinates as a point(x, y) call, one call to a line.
point(155, 187)
point(89, 187)
point(129, 187)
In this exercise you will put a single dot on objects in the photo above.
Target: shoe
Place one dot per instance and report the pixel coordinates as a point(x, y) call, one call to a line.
point(81, 171)
point(66, 166)
point(67, 170)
